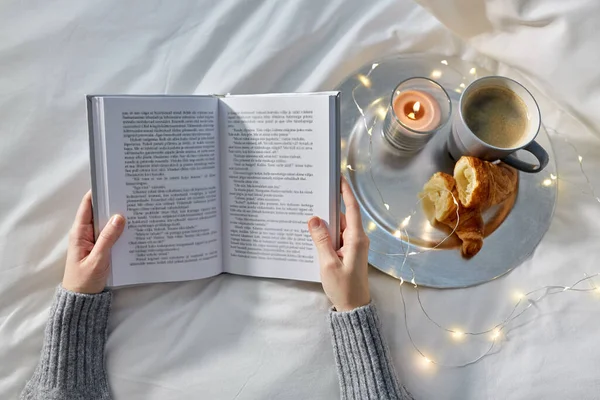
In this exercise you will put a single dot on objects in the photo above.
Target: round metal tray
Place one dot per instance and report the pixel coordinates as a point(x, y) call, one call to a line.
point(387, 184)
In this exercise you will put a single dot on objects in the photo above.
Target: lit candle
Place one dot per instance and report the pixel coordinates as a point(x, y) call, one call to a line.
point(417, 110)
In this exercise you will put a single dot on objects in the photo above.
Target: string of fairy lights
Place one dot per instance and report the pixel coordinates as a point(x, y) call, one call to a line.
point(524, 300)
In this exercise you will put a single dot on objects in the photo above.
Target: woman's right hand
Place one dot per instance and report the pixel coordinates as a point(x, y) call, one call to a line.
point(344, 273)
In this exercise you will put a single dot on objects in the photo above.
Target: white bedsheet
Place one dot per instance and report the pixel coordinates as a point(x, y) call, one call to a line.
point(233, 337)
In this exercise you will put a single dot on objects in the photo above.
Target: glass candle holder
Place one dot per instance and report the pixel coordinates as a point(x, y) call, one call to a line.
point(419, 108)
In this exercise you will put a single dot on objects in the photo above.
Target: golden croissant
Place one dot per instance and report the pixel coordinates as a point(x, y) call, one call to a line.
point(438, 195)
point(481, 184)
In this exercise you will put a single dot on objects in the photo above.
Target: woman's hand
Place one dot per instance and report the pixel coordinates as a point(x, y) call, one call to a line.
point(88, 263)
point(344, 273)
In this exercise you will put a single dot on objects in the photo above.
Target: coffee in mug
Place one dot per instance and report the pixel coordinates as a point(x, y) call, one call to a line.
point(496, 117)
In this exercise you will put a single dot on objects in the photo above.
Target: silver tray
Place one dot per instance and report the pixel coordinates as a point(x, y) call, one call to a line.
point(387, 185)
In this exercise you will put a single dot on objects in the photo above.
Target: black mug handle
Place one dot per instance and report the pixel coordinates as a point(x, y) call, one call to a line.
point(539, 153)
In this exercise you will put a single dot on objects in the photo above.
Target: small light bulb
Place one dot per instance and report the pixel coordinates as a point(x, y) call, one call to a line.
point(457, 335)
point(496, 334)
point(405, 222)
point(580, 158)
point(436, 73)
point(473, 71)
point(444, 62)
point(462, 85)
point(547, 182)
point(519, 295)
point(364, 80)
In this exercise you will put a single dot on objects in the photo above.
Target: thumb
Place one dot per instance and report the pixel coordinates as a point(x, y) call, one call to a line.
point(322, 240)
point(107, 238)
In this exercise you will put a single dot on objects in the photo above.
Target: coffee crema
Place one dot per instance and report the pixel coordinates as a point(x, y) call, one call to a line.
point(497, 115)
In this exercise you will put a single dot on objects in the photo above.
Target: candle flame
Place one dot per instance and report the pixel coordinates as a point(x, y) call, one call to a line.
point(416, 107)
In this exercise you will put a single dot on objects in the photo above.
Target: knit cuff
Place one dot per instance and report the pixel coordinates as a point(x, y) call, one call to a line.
point(361, 356)
point(72, 357)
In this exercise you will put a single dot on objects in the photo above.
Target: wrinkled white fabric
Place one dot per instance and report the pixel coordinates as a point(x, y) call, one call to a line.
point(233, 337)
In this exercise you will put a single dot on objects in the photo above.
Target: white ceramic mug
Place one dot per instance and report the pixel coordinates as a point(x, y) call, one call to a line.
point(463, 142)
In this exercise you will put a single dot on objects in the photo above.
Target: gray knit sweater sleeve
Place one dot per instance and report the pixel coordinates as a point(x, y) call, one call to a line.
point(364, 367)
point(72, 360)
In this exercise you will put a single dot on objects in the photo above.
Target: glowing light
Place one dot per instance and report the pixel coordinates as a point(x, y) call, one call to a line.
point(519, 296)
point(371, 226)
point(458, 335)
point(350, 167)
point(444, 62)
point(374, 66)
point(436, 73)
point(462, 85)
point(381, 112)
point(553, 177)
point(547, 182)
point(387, 206)
point(364, 80)
point(496, 334)
point(424, 362)
point(457, 90)
point(580, 158)
point(398, 235)
point(473, 71)
point(405, 222)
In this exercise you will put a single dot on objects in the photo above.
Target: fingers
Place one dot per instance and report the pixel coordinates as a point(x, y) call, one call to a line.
point(353, 219)
point(322, 240)
point(343, 223)
point(107, 238)
point(84, 212)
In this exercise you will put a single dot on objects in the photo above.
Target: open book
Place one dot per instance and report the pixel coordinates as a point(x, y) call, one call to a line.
point(213, 184)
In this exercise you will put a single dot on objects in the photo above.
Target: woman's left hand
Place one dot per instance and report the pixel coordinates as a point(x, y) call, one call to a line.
point(88, 263)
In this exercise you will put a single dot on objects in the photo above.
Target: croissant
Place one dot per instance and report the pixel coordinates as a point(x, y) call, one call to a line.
point(438, 194)
point(481, 184)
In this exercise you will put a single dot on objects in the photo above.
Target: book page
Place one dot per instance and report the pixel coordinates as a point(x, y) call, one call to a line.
point(276, 159)
point(162, 174)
